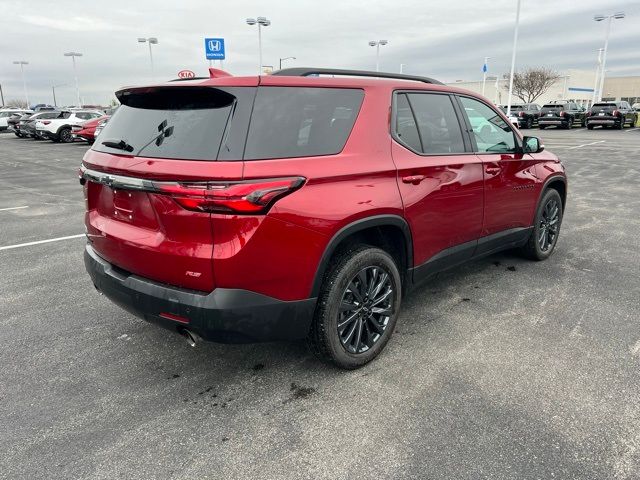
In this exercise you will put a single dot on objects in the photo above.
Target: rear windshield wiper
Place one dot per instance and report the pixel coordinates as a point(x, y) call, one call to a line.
point(118, 144)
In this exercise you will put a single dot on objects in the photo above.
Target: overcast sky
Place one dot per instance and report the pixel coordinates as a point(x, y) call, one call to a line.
point(442, 39)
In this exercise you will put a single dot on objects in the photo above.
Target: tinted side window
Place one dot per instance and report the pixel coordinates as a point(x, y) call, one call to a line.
point(301, 122)
point(405, 125)
point(438, 124)
point(491, 132)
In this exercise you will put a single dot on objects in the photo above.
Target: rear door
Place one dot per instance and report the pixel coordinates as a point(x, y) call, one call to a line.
point(509, 175)
point(149, 178)
point(440, 180)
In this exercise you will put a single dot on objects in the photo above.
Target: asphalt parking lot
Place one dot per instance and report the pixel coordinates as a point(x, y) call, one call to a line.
point(503, 368)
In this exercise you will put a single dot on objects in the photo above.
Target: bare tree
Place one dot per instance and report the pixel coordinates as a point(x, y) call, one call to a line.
point(17, 103)
point(530, 83)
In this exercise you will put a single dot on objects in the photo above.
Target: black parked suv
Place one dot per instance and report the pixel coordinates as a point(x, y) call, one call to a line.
point(527, 113)
point(611, 114)
point(562, 115)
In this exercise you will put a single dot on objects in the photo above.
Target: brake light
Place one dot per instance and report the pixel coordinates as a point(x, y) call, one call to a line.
point(46, 122)
point(562, 113)
point(521, 114)
point(616, 113)
point(249, 197)
point(588, 113)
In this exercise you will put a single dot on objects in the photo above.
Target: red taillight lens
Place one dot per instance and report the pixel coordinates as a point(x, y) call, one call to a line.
point(562, 113)
point(521, 114)
point(249, 197)
point(588, 113)
point(616, 113)
point(46, 122)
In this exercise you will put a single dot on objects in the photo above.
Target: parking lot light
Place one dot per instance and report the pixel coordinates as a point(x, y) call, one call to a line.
point(374, 43)
point(22, 63)
point(285, 58)
point(608, 18)
point(73, 56)
point(150, 41)
point(261, 22)
point(513, 57)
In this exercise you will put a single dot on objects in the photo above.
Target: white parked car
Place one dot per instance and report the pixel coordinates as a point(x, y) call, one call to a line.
point(59, 129)
point(5, 113)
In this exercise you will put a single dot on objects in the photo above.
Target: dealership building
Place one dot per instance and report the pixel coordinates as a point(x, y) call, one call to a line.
point(574, 85)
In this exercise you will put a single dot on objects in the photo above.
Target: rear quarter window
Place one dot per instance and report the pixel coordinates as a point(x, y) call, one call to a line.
point(301, 122)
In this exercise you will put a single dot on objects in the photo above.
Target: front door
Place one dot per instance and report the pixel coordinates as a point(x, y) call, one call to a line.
point(509, 175)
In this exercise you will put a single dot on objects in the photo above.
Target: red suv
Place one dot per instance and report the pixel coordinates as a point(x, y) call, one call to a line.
point(305, 203)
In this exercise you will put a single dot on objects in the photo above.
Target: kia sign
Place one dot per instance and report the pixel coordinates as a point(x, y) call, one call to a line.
point(214, 48)
point(186, 74)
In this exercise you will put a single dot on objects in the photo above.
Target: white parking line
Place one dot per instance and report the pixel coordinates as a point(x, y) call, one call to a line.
point(587, 144)
point(28, 244)
point(632, 129)
point(13, 208)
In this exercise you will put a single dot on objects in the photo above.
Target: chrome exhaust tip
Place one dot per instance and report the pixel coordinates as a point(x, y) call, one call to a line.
point(192, 338)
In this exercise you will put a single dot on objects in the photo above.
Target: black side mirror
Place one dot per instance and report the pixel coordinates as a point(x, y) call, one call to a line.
point(532, 145)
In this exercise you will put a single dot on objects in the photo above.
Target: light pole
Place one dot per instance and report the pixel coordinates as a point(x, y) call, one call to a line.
point(485, 67)
point(73, 56)
point(377, 44)
point(608, 18)
point(261, 22)
point(53, 89)
point(595, 86)
point(513, 58)
point(150, 41)
point(22, 63)
point(286, 58)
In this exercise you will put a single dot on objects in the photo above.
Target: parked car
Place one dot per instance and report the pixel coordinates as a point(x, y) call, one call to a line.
point(240, 209)
point(86, 130)
point(513, 117)
point(527, 113)
point(561, 115)
point(26, 127)
point(13, 123)
point(59, 129)
point(611, 114)
point(7, 113)
point(636, 107)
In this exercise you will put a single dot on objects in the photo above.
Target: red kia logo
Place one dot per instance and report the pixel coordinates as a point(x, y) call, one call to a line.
point(186, 74)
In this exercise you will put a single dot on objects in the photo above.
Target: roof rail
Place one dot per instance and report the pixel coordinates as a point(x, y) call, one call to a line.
point(307, 72)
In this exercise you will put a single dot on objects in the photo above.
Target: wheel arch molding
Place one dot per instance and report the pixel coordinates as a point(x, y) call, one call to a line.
point(352, 230)
point(551, 182)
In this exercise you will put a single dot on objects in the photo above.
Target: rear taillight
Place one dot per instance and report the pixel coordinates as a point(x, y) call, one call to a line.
point(616, 113)
point(562, 113)
point(46, 122)
point(249, 197)
point(521, 114)
point(588, 113)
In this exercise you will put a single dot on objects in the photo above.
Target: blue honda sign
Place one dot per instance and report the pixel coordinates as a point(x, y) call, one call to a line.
point(214, 48)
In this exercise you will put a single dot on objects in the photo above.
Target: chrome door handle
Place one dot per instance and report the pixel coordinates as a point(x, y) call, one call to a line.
point(414, 179)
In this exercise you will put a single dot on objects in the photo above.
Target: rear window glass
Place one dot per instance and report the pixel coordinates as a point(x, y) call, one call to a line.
point(553, 105)
point(177, 123)
point(607, 104)
point(301, 122)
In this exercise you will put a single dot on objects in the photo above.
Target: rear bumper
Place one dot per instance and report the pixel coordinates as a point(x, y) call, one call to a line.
point(602, 121)
point(224, 315)
point(552, 121)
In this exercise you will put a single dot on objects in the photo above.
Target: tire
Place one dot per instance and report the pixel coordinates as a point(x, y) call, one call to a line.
point(589, 127)
point(364, 336)
point(569, 123)
point(64, 135)
point(542, 127)
point(583, 123)
point(620, 126)
point(548, 221)
point(529, 123)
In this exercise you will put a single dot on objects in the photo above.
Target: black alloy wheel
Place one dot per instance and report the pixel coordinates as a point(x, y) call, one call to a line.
point(365, 309)
point(549, 225)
